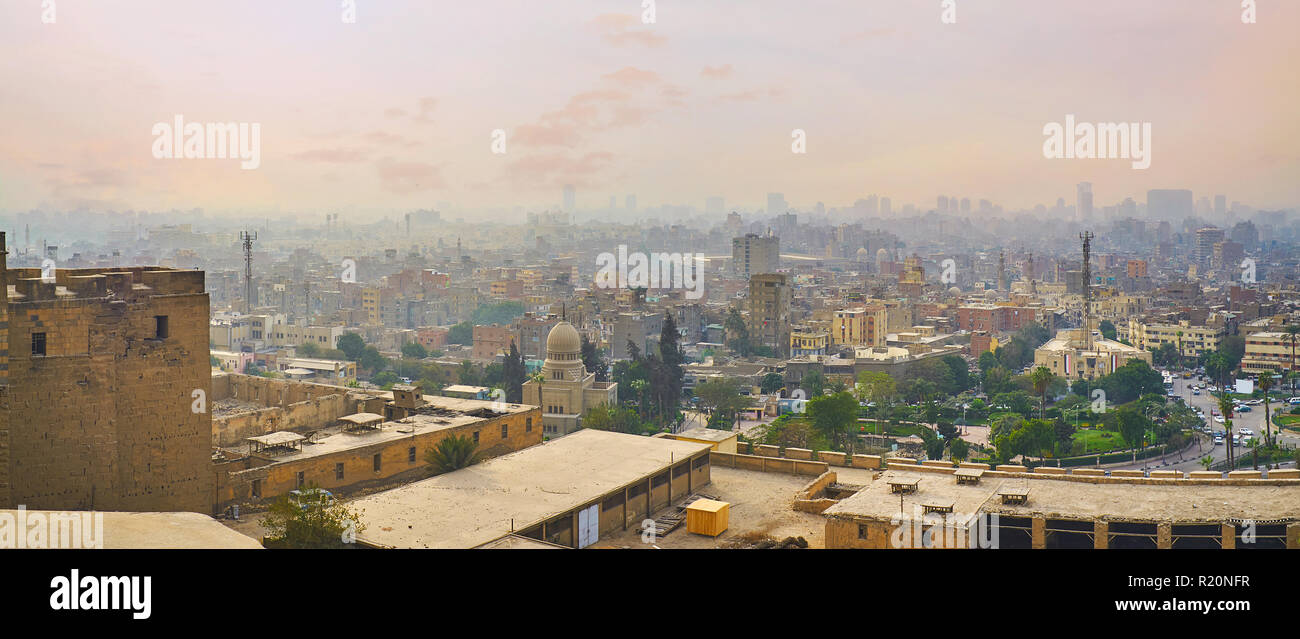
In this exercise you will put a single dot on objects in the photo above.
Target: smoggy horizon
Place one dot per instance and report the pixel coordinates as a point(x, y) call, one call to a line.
point(398, 110)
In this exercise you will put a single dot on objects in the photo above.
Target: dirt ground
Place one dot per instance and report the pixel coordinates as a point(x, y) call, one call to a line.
point(760, 503)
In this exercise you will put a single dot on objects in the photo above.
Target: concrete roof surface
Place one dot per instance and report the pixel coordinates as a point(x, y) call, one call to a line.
point(474, 505)
point(1068, 499)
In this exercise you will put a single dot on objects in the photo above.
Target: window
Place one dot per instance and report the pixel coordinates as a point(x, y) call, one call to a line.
point(475, 437)
point(257, 489)
point(160, 326)
point(338, 471)
point(505, 431)
point(378, 463)
point(528, 425)
point(302, 478)
point(410, 454)
point(38, 344)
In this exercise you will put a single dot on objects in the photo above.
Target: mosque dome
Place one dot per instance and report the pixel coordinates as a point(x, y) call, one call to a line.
point(563, 339)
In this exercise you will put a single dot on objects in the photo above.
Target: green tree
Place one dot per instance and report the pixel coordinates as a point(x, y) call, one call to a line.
point(813, 383)
point(1292, 337)
point(772, 382)
point(959, 450)
point(737, 333)
point(1042, 378)
point(833, 417)
point(512, 373)
point(1132, 425)
point(414, 350)
point(1266, 384)
point(371, 359)
point(312, 521)
point(496, 313)
point(462, 333)
point(384, 379)
point(468, 374)
point(593, 361)
point(309, 349)
point(352, 345)
point(452, 453)
point(721, 395)
point(1107, 329)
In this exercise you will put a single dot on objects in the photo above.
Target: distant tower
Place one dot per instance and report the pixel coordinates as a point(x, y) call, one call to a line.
point(248, 238)
point(1086, 236)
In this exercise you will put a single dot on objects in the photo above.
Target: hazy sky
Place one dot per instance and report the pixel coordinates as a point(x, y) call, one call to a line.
point(396, 110)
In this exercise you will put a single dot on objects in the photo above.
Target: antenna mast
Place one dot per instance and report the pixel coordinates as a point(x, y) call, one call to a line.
point(248, 237)
point(1086, 276)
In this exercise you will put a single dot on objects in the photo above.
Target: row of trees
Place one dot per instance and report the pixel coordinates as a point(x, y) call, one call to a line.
point(653, 382)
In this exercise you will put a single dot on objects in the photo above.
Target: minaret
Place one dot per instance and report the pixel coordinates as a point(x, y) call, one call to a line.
point(1002, 271)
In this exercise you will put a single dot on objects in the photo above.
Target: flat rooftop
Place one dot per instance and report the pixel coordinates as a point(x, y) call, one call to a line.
point(475, 505)
point(1067, 499)
point(706, 434)
point(176, 530)
point(449, 412)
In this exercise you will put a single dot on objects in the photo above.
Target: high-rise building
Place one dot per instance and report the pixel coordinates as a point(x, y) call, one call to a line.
point(754, 254)
point(885, 207)
point(1083, 201)
point(769, 312)
point(1169, 204)
point(630, 203)
point(776, 204)
point(1220, 206)
point(1206, 238)
point(570, 199)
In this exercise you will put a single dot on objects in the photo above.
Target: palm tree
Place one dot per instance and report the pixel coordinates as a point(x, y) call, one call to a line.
point(1180, 349)
point(1293, 336)
point(1266, 383)
point(452, 453)
point(1225, 407)
point(1041, 379)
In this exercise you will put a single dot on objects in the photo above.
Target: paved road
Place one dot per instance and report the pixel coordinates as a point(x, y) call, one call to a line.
point(1190, 460)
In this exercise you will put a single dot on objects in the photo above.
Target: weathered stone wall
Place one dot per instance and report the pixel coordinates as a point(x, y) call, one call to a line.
point(234, 483)
point(292, 406)
point(104, 419)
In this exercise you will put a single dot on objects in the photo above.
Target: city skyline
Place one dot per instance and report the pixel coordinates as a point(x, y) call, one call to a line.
point(397, 110)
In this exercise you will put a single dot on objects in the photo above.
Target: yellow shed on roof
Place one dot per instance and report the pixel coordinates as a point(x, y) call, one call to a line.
point(707, 517)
